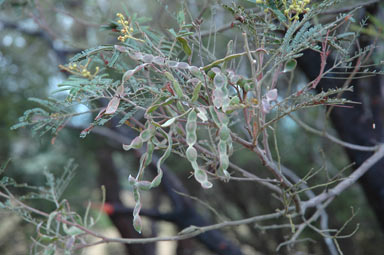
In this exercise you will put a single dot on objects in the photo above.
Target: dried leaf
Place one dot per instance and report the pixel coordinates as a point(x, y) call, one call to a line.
point(113, 105)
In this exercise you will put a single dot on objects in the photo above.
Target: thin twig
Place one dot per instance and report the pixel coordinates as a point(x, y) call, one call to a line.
point(347, 182)
point(332, 138)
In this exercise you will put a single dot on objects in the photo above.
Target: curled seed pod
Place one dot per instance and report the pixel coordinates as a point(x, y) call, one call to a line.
point(218, 97)
point(224, 161)
point(136, 143)
point(206, 185)
point(182, 65)
point(191, 128)
point(194, 70)
point(143, 185)
point(146, 135)
point(222, 147)
point(230, 146)
point(136, 211)
point(136, 56)
point(194, 81)
point(148, 58)
point(195, 166)
point(201, 176)
point(172, 64)
point(235, 78)
point(191, 138)
point(214, 115)
point(224, 133)
point(192, 116)
point(150, 149)
point(191, 154)
point(223, 174)
point(122, 48)
point(128, 74)
point(224, 118)
point(216, 70)
point(220, 80)
point(159, 60)
point(226, 101)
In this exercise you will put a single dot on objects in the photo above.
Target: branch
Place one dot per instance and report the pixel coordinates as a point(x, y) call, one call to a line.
point(352, 7)
point(332, 138)
point(346, 183)
point(184, 213)
point(192, 231)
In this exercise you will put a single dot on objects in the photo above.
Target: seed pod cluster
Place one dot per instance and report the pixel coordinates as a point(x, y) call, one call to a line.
point(224, 145)
point(144, 136)
point(191, 153)
point(137, 183)
point(220, 93)
point(150, 59)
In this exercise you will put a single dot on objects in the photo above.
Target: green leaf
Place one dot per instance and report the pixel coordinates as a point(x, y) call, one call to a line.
point(176, 85)
point(196, 92)
point(50, 218)
point(169, 122)
point(162, 103)
point(181, 17)
point(89, 52)
point(47, 239)
point(172, 31)
point(72, 231)
point(185, 45)
point(114, 58)
point(290, 65)
point(280, 16)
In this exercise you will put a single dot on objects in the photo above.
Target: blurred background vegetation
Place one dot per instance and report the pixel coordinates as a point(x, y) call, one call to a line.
point(37, 36)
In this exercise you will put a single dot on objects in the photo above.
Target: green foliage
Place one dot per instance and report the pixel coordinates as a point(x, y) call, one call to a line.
point(54, 233)
point(149, 81)
point(185, 95)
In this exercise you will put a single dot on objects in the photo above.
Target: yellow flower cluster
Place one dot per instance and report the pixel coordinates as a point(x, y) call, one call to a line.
point(80, 70)
point(126, 30)
point(297, 7)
